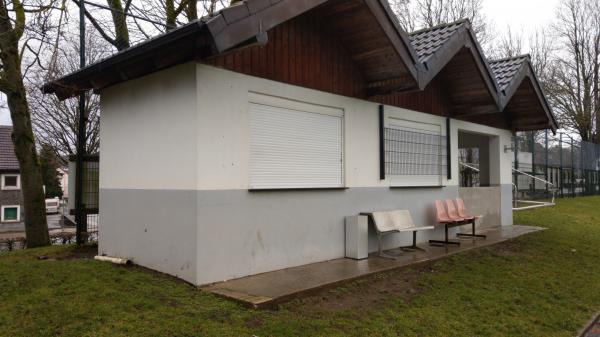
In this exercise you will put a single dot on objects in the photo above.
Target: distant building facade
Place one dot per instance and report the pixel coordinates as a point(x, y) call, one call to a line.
point(11, 197)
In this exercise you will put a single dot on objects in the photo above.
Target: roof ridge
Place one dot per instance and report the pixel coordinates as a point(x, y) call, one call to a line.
point(441, 25)
point(526, 56)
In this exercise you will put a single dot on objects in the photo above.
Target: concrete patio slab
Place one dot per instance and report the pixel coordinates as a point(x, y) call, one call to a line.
point(274, 287)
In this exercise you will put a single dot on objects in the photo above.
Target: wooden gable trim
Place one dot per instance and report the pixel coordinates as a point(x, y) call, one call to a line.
point(462, 38)
point(257, 17)
point(397, 36)
point(526, 72)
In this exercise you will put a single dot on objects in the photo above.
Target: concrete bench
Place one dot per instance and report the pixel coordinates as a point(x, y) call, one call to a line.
point(396, 221)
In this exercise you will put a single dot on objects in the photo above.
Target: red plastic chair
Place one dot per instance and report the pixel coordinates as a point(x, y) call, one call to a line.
point(441, 215)
point(461, 211)
point(443, 218)
point(453, 212)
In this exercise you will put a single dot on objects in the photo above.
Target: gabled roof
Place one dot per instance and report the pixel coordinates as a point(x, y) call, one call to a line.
point(390, 59)
point(506, 69)
point(427, 41)
point(8, 159)
point(452, 51)
point(522, 96)
point(232, 27)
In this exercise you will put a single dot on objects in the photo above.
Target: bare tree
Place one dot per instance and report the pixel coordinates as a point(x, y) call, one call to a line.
point(25, 29)
point(509, 44)
point(542, 50)
point(118, 34)
point(123, 24)
point(416, 14)
point(575, 93)
point(56, 122)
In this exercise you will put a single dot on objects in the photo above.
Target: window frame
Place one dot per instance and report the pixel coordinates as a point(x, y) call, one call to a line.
point(407, 119)
point(10, 188)
point(2, 210)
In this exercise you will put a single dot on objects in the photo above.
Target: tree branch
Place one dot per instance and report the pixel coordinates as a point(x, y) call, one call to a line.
point(97, 25)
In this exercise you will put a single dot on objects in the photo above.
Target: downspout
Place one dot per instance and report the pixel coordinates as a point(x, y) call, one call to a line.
point(115, 260)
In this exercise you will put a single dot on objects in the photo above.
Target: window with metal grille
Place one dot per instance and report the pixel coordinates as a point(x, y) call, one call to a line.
point(415, 153)
point(412, 152)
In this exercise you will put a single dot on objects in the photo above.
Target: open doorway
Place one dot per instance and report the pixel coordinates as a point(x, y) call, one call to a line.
point(474, 159)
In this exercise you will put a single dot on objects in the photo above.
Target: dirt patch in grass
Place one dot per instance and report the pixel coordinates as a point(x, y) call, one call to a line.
point(75, 253)
point(254, 322)
point(367, 293)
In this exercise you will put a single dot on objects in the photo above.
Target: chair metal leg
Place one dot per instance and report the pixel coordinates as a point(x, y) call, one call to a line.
point(472, 235)
point(380, 252)
point(446, 241)
point(413, 247)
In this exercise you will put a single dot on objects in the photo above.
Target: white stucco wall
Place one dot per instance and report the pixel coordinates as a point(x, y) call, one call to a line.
point(223, 131)
point(284, 229)
point(174, 177)
point(148, 132)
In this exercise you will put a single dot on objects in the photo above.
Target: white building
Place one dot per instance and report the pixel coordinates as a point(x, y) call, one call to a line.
point(237, 145)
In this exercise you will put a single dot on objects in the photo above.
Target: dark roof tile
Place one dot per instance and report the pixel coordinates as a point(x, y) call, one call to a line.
point(505, 69)
point(427, 41)
point(8, 160)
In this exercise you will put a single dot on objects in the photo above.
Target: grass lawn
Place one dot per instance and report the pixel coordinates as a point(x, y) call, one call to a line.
point(542, 284)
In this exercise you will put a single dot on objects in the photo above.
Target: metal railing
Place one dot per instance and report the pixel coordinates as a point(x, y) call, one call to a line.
point(572, 166)
point(532, 204)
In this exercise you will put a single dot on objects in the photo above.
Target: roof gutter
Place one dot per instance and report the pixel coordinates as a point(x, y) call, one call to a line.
point(139, 51)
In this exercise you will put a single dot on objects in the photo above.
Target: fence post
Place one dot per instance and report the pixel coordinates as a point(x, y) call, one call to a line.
point(597, 163)
point(582, 170)
point(533, 171)
point(546, 161)
point(560, 170)
point(516, 154)
point(80, 217)
point(572, 169)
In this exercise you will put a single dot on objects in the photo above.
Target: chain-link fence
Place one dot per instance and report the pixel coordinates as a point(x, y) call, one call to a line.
point(64, 230)
point(90, 197)
point(560, 163)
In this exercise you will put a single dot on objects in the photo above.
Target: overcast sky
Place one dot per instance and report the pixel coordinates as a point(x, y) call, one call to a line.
point(520, 15)
point(531, 15)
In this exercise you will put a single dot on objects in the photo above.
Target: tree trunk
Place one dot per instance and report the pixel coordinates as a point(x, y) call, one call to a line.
point(191, 11)
point(171, 16)
point(120, 22)
point(36, 227)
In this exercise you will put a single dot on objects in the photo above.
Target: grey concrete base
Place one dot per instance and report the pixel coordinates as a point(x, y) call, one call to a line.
point(210, 236)
point(278, 286)
point(484, 201)
point(155, 229)
point(506, 202)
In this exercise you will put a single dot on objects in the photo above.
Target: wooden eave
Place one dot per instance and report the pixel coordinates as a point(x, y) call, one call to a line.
point(232, 28)
point(461, 39)
point(526, 73)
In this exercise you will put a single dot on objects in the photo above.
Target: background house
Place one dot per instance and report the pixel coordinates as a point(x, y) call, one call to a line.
point(11, 198)
point(278, 119)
